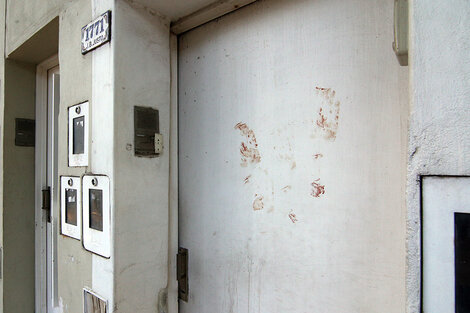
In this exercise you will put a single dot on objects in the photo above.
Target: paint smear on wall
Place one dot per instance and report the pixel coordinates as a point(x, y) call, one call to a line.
point(249, 148)
point(258, 203)
point(317, 189)
point(328, 114)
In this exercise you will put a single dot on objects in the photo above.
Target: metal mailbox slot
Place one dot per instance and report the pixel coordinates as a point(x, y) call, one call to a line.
point(70, 206)
point(96, 214)
point(78, 134)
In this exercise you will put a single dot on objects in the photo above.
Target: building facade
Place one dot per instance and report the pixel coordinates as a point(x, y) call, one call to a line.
point(233, 156)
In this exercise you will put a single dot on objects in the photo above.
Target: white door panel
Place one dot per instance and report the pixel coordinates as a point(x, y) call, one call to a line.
point(288, 119)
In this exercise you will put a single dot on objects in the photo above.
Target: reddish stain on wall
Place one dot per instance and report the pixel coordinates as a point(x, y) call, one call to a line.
point(248, 149)
point(286, 188)
point(317, 156)
point(292, 217)
point(258, 203)
point(247, 179)
point(328, 114)
point(317, 189)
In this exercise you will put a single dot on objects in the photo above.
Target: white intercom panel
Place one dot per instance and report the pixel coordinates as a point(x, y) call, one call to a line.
point(78, 134)
point(96, 215)
point(71, 206)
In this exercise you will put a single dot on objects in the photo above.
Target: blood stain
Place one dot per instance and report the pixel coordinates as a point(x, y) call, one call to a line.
point(293, 217)
point(249, 149)
point(317, 189)
point(247, 179)
point(258, 203)
point(328, 119)
point(286, 188)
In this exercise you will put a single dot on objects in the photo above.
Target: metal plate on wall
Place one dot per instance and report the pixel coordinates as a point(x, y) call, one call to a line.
point(96, 33)
point(146, 125)
point(25, 132)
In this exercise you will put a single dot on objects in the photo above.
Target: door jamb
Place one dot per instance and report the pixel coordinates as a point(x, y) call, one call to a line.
point(40, 178)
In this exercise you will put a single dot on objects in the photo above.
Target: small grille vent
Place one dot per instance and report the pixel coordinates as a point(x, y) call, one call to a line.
point(92, 303)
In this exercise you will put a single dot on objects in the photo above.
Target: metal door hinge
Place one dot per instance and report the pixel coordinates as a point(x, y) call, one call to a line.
point(46, 202)
point(182, 274)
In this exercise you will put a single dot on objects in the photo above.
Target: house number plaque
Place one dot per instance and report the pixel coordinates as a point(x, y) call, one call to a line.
point(96, 33)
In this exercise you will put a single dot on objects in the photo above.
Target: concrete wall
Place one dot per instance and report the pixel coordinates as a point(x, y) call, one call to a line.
point(23, 21)
point(141, 35)
point(142, 78)
point(74, 263)
point(439, 135)
point(18, 200)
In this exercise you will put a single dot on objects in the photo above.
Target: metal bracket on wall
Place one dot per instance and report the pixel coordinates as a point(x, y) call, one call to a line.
point(182, 274)
point(46, 202)
point(400, 31)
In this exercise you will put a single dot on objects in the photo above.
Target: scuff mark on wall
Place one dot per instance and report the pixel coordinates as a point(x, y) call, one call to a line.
point(317, 156)
point(258, 203)
point(328, 114)
point(317, 188)
point(163, 300)
point(249, 149)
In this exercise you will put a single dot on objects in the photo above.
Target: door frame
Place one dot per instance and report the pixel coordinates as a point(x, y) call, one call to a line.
point(41, 147)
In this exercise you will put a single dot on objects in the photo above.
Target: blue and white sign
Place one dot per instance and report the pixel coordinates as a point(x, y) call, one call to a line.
point(96, 33)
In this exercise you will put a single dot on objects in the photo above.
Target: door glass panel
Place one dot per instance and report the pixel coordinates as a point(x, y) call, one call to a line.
point(96, 209)
point(79, 135)
point(71, 206)
point(462, 262)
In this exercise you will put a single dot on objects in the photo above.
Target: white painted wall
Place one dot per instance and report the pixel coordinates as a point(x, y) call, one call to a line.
point(439, 135)
point(134, 70)
point(344, 251)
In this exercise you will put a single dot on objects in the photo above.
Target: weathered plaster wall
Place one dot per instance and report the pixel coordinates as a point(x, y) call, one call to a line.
point(74, 263)
point(83, 78)
point(18, 200)
point(142, 78)
point(24, 18)
point(439, 135)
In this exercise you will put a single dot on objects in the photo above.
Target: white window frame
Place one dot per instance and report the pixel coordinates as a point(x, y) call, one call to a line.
point(45, 302)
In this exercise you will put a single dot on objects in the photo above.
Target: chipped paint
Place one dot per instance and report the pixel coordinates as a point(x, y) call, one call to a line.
point(317, 189)
point(248, 150)
point(328, 114)
point(293, 217)
point(258, 203)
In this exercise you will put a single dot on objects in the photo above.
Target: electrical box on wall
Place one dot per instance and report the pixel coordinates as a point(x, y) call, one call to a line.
point(25, 132)
point(147, 138)
point(78, 134)
point(96, 215)
point(70, 206)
